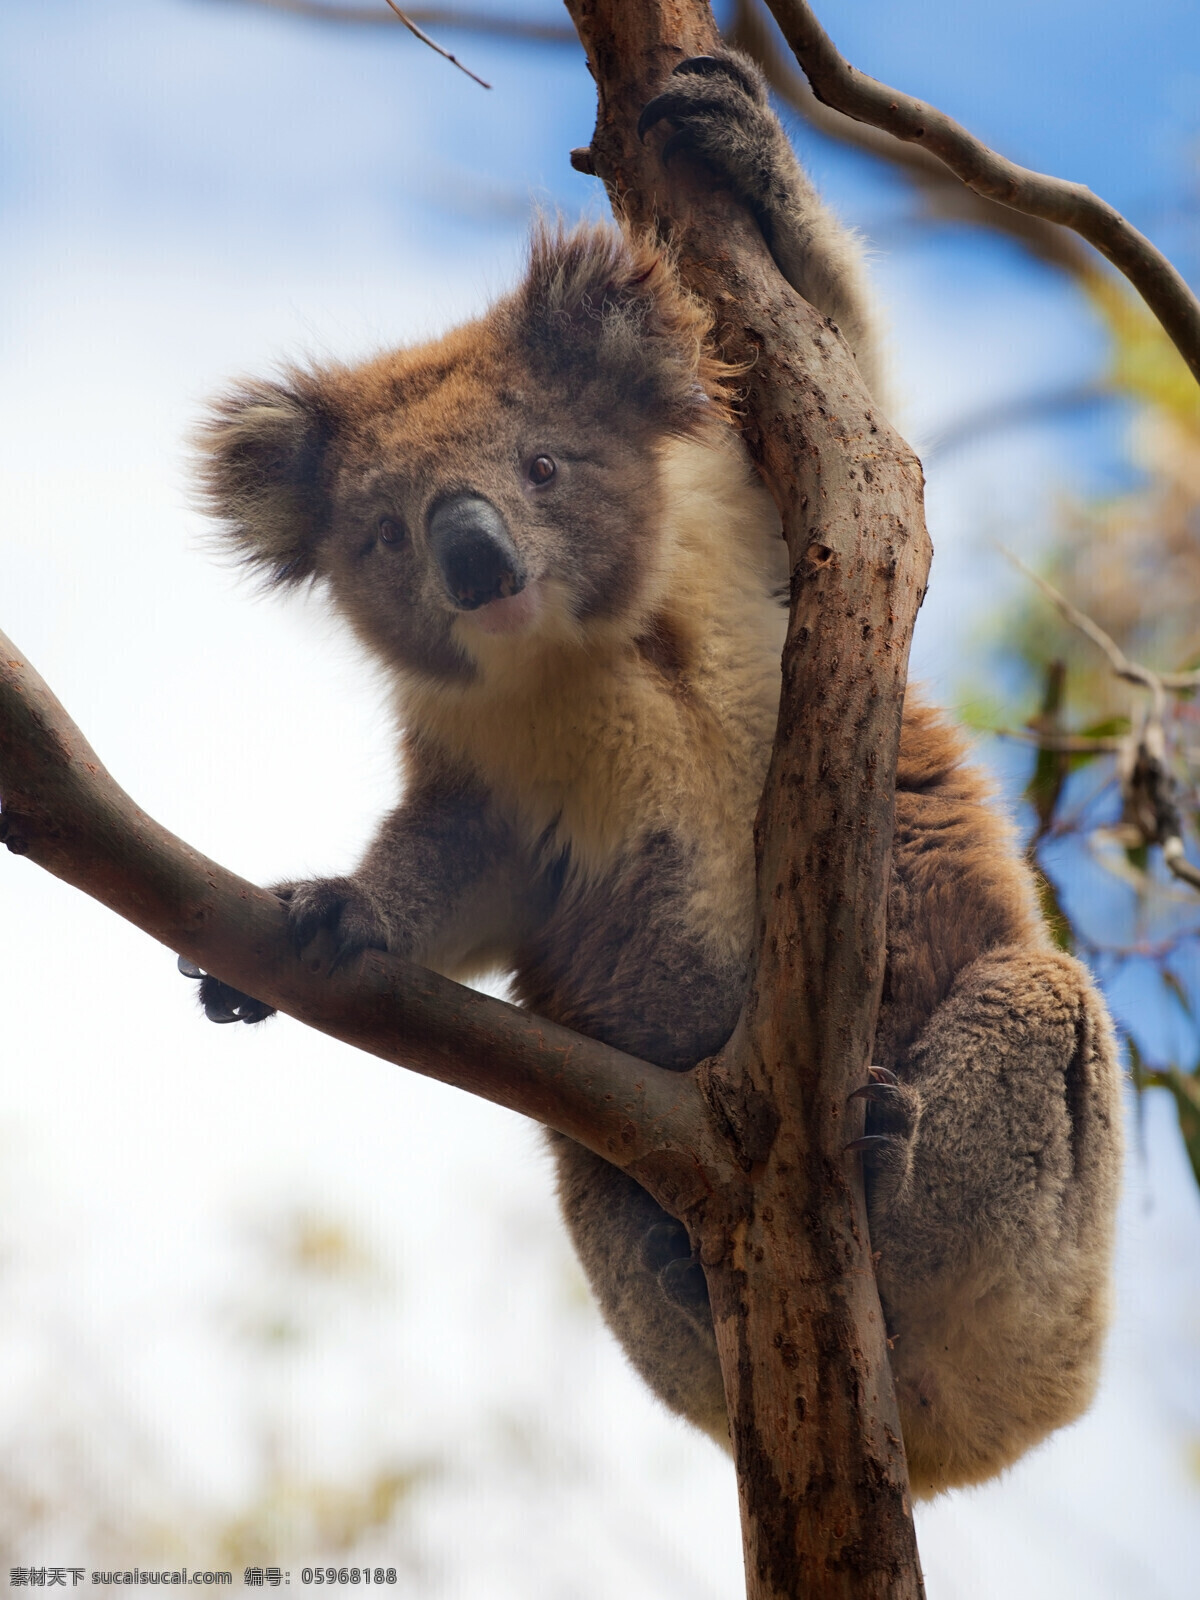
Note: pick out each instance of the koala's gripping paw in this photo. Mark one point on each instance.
(321, 905)
(893, 1118)
(221, 1002)
(335, 906)
(667, 1252)
(719, 109)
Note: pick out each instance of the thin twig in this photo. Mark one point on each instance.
(1130, 671)
(1148, 786)
(1022, 412)
(435, 16)
(839, 85)
(1068, 743)
(1142, 949)
(433, 45)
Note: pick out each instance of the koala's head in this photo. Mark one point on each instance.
(500, 483)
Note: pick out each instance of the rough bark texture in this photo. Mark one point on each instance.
(821, 1465)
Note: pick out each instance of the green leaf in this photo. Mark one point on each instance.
(1137, 1069)
(1050, 769)
(1138, 856)
(1107, 728)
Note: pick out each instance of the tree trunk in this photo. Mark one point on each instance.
(821, 1469)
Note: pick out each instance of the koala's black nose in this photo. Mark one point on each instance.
(474, 551)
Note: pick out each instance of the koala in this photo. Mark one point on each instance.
(545, 527)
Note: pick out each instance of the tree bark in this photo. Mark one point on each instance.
(821, 1469)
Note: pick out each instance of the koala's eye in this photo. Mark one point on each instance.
(391, 531)
(541, 469)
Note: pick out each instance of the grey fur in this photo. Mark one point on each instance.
(583, 782)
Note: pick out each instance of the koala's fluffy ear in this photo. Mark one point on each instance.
(261, 457)
(609, 311)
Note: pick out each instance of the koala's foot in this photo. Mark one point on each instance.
(221, 1002)
(667, 1251)
(718, 105)
(321, 905)
(893, 1117)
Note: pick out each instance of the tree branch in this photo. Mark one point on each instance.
(1062, 743)
(64, 811)
(944, 195)
(838, 84)
(487, 22)
(408, 22)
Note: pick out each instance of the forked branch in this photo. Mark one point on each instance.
(840, 85)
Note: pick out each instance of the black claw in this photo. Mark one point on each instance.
(701, 65)
(883, 1075)
(189, 968)
(740, 72)
(884, 1093)
(218, 1011)
(653, 112)
(870, 1141)
(5, 825)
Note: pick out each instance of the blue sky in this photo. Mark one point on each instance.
(189, 190)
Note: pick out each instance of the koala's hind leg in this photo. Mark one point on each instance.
(718, 108)
(651, 1292)
(992, 1198)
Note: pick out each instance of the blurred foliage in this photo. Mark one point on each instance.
(334, 1519)
(91, 1483)
(1131, 563)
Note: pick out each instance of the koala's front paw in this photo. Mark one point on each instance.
(332, 905)
(667, 1252)
(719, 107)
(335, 906)
(893, 1117)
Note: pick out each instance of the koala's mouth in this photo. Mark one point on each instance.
(513, 613)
